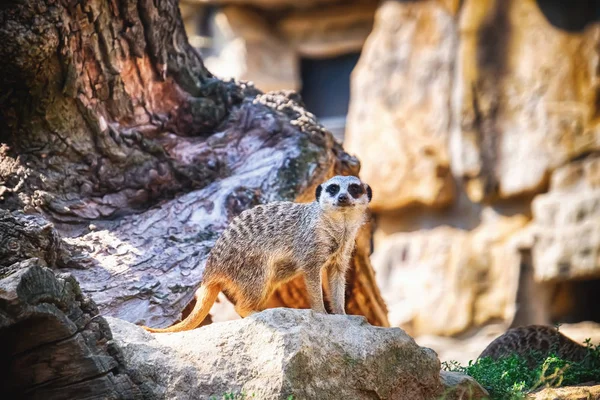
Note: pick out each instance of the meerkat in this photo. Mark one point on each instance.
(540, 339)
(270, 244)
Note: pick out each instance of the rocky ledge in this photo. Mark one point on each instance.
(56, 345)
(284, 353)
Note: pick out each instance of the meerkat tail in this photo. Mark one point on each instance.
(205, 298)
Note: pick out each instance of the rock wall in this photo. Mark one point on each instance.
(438, 281)
(566, 225)
(476, 124)
(263, 41)
(390, 122)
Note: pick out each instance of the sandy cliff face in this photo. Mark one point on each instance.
(471, 112)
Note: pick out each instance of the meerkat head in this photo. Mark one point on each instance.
(343, 193)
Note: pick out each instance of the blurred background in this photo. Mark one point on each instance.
(477, 125)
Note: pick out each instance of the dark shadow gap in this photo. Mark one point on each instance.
(570, 16)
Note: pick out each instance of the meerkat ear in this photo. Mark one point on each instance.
(318, 192)
(369, 192)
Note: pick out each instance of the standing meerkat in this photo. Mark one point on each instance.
(270, 244)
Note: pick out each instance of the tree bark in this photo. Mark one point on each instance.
(115, 132)
(100, 100)
(52, 343)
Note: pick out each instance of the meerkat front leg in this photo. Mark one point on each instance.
(337, 288)
(314, 288)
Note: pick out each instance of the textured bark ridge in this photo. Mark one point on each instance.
(53, 344)
(29, 236)
(113, 129)
(100, 99)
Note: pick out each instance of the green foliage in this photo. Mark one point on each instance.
(512, 378)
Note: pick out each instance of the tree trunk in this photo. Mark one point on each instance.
(114, 131)
(106, 106)
(52, 343)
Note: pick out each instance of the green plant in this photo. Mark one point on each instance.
(512, 378)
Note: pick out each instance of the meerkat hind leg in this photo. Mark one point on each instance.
(244, 311)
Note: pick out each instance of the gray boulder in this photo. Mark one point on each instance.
(459, 386)
(281, 354)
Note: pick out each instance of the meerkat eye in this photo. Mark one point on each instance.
(356, 190)
(333, 189)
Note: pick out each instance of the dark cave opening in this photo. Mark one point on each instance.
(575, 301)
(561, 302)
(571, 16)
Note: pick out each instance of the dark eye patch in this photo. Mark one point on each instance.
(333, 189)
(356, 190)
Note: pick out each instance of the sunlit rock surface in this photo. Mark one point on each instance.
(566, 224)
(445, 280)
(282, 352)
(399, 117)
(459, 107)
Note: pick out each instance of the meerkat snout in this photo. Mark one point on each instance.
(272, 243)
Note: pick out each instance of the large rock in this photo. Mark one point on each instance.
(399, 119)
(524, 95)
(265, 46)
(461, 387)
(566, 224)
(280, 353)
(329, 31)
(446, 280)
(477, 88)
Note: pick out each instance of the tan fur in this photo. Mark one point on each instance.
(205, 297)
(270, 244)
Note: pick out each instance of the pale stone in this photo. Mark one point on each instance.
(479, 88)
(330, 31)
(566, 224)
(444, 281)
(244, 47)
(568, 393)
(399, 118)
(282, 352)
(461, 387)
(524, 98)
